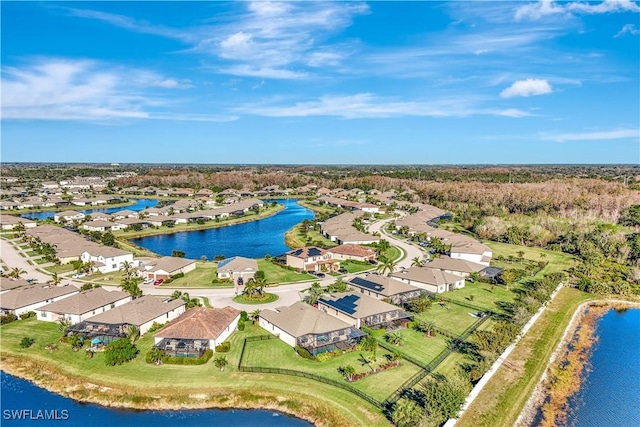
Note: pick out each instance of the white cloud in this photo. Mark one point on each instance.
(263, 72)
(367, 105)
(527, 87)
(544, 8)
(627, 29)
(63, 89)
(595, 136)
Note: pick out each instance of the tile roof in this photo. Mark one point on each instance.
(137, 312)
(85, 301)
(27, 295)
(301, 319)
(200, 323)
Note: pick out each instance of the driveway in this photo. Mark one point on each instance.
(410, 250)
(13, 259)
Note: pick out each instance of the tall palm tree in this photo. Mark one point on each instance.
(315, 293)
(127, 268)
(55, 279)
(416, 262)
(255, 315)
(386, 266)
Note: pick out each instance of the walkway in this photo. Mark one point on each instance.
(410, 250)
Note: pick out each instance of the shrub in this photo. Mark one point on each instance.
(28, 315)
(8, 319)
(171, 360)
(26, 342)
(155, 355)
(177, 276)
(51, 347)
(244, 316)
(373, 332)
(303, 352)
(119, 352)
(223, 347)
(156, 326)
(89, 354)
(241, 324)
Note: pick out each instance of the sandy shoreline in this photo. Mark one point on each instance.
(538, 396)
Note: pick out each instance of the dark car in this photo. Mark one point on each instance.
(373, 262)
(240, 281)
(343, 271)
(320, 275)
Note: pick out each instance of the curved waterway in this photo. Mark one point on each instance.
(139, 205)
(610, 392)
(253, 239)
(24, 404)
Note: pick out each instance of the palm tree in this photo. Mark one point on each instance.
(250, 288)
(220, 362)
(416, 262)
(131, 286)
(55, 280)
(369, 343)
(16, 272)
(386, 266)
(127, 268)
(315, 293)
(406, 413)
(133, 333)
(382, 246)
(255, 315)
(347, 372)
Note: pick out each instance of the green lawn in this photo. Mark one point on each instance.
(295, 239)
(274, 273)
(134, 381)
(60, 269)
(503, 398)
(201, 277)
(421, 347)
(483, 294)
(274, 353)
(356, 267)
(454, 318)
(558, 261)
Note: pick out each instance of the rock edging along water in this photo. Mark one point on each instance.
(539, 395)
(81, 389)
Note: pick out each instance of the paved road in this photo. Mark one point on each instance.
(411, 251)
(13, 259)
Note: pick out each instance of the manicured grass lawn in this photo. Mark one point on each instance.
(112, 278)
(483, 295)
(277, 274)
(60, 269)
(503, 398)
(558, 261)
(180, 383)
(356, 267)
(423, 348)
(455, 318)
(201, 277)
(241, 299)
(295, 239)
(274, 353)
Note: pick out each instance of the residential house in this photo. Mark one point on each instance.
(165, 267)
(304, 325)
(353, 252)
(430, 279)
(29, 298)
(311, 258)
(68, 216)
(83, 305)
(141, 313)
(9, 222)
(340, 229)
(385, 288)
(362, 310)
(466, 248)
(456, 266)
(125, 213)
(7, 284)
(106, 259)
(197, 330)
(99, 225)
(236, 268)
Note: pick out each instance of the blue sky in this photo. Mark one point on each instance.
(321, 82)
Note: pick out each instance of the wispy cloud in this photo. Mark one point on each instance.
(63, 89)
(368, 105)
(545, 8)
(627, 29)
(594, 136)
(528, 87)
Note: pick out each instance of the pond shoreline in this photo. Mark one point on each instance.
(543, 390)
(81, 390)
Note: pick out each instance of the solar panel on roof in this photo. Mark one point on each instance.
(225, 262)
(314, 252)
(360, 281)
(346, 304)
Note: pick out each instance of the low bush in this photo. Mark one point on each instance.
(177, 276)
(8, 319)
(26, 342)
(303, 352)
(171, 360)
(373, 332)
(241, 323)
(223, 347)
(28, 315)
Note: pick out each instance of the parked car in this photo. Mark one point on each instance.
(240, 281)
(320, 275)
(148, 280)
(373, 262)
(343, 271)
(78, 276)
(32, 280)
(158, 282)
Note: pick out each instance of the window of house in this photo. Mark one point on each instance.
(43, 314)
(113, 305)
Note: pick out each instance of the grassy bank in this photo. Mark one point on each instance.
(145, 386)
(503, 398)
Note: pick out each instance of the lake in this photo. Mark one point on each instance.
(610, 392)
(139, 205)
(20, 398)
(253, 239)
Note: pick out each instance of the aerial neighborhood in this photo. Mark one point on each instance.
(369, 282)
